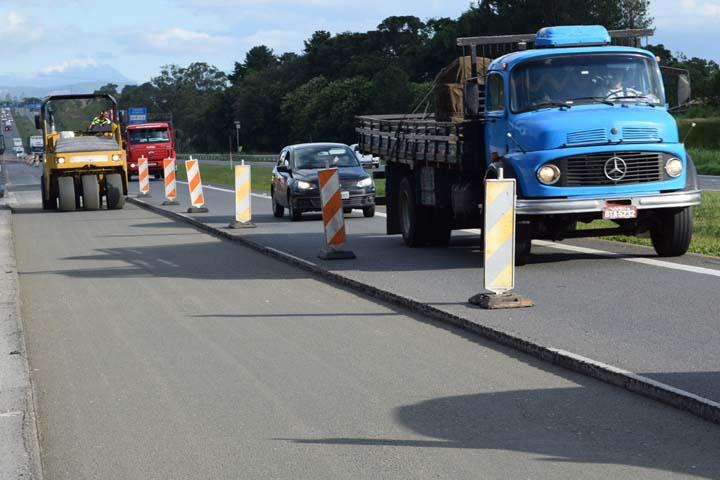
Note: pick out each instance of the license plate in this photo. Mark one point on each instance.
(345, 195)
(619, 212)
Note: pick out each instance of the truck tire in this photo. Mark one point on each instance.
(114, 191)
(413, 217)
(440, 229)
(523, 244)
(672, 235)
(90, 192)
(278, 210)
(50, 204)
(66, 189)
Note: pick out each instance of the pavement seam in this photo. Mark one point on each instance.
(647, 387)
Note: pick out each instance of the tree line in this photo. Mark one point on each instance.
(287, 98)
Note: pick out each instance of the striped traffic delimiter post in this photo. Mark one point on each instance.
(197, 199)
(243, 209)
(170, 183)
(143, 177)
(499, 255)
(333, 217)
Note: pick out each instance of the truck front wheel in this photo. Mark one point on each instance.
(66, 189)
(413, 224)
(672, 235)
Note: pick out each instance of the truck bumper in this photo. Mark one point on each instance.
(562, 206)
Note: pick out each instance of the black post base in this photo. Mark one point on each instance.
(491, 301)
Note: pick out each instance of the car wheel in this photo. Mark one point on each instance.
(369, 211)
(278, 210)
(295, 213)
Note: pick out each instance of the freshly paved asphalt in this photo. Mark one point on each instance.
(655, 321)
(161, 352)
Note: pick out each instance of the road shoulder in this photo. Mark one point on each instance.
(19, 446)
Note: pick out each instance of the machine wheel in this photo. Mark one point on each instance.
(523, 244)
(66, 188)
(295, 213)
(114, 191)
(278, 210)
(369, 211)
(50, 204)
(672, 236)
(413, 217)
(90, 192)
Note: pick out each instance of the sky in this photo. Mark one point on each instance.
(137, 37)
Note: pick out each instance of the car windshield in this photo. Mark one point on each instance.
(308, 158)
(149, 135)
(576, 79)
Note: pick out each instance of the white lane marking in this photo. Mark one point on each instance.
(644, 261)
(227, 190)
(10, 414)
(572, 248)
(287, 255)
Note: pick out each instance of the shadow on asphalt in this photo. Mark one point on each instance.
(559, 425)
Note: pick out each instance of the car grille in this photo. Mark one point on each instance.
(589, 170)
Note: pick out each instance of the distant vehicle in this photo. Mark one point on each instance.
(294, 184)
(367, 161)
(17, 142)
(19, 152)
(154, 141)
(35, 142)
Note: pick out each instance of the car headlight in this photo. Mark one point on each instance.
(61, 160)
(365, 182)
(303, 185)
(548, 174)
(116, 157)
(674, 167)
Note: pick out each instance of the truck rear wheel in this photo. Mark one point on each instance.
(90, 192)
(47, 204)
(66, 189)
(114, 191)
(672, 236)
(413, 218)
(523, 243)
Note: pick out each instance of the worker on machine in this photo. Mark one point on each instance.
(100, 120)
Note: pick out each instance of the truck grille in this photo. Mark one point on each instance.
(636, 134)
(587, 136)
(589, 170)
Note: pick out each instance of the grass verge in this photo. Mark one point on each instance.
(260, 178)
(26, 128)
(707, 161)
(706, 227)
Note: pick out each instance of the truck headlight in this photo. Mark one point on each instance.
(674, 167)
(365, 182)
(548, 174)
(61, 160)
(303, 185)
(116, 158)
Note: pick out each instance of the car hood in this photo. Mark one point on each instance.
(346, 173)
(593, 125)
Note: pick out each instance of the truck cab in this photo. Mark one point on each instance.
(154, 141)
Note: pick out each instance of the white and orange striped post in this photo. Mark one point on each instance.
(143, 177)
(333, 218)
(170, 184)
(243, 208)
(197, 199)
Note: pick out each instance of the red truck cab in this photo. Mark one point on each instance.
(154, 141)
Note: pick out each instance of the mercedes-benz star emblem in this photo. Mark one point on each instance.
(615, 169)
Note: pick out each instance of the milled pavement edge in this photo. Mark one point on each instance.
(19, 442)
(667, 394)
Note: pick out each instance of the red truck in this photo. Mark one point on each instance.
(154, 141)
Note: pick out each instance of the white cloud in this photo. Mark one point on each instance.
(72, 64)
(16, 32)
(177, 40)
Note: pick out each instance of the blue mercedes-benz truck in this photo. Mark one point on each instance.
(576, 114)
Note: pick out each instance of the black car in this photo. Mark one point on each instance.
(295, 179)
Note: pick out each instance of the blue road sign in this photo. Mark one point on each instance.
(137, 115)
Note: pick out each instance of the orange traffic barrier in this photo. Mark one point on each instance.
(170, 183)
(197, 199)
(243, 210)
(333, 217)
(143, 177)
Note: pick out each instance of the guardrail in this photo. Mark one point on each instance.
(225, 157)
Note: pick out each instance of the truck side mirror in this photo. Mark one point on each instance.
(471, 94)
(122, 117)
(37, 123)
(683, 89)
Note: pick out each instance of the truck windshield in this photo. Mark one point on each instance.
(308, 158)
(586, 78)
(149, 135)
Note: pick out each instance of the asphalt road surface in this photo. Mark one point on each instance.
(161, 352)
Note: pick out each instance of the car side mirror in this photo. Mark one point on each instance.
(37, 123)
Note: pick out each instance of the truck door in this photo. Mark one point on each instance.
(495, 117)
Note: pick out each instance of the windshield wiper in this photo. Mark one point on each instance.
(538, 106)
(597, 99)
(643, 98)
